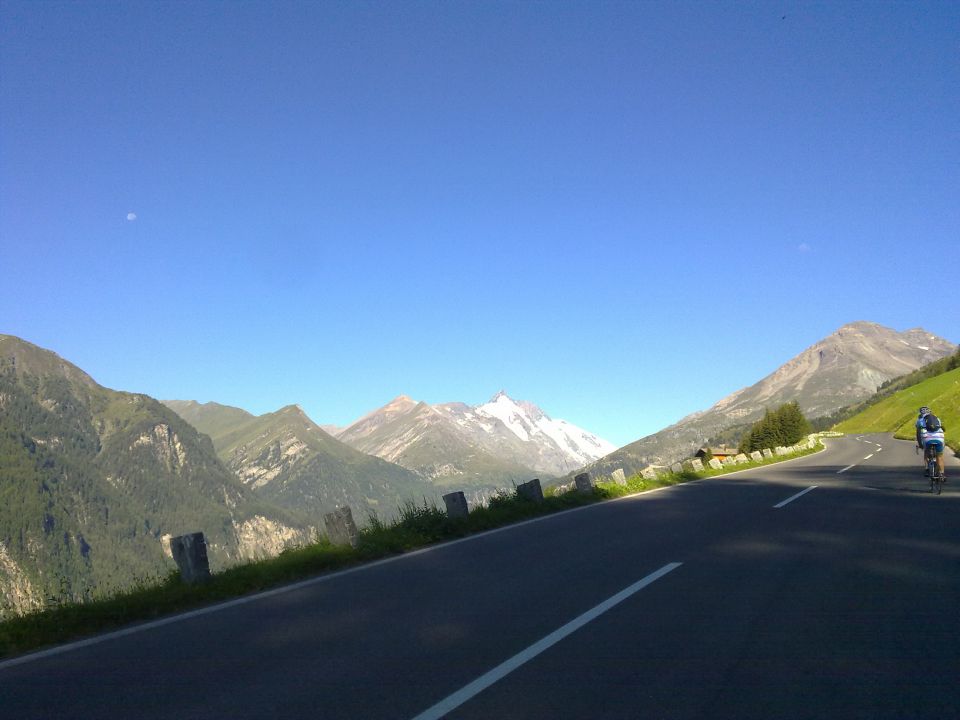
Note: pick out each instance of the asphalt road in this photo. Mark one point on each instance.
(735, 597)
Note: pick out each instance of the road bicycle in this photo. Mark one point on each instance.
(936, 478)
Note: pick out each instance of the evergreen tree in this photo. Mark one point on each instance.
(784, 426)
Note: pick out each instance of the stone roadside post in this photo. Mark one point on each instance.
(531, 490)
(340, 527)
(190, 553)
(456, 505)
(583, 483)
(697, 464)
(619, 477)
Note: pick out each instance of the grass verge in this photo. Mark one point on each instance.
(416, 527)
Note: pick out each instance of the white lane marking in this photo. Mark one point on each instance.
(464, 694)
(794, 497)
(868, 456)
(846, 468)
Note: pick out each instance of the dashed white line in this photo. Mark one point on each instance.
(868, 456)
(846, 468)
(462, 695)
(794, 497)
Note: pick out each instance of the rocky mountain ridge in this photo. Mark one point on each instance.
(843, 368)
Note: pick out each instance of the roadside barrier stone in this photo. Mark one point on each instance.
(584, 485)
(715, 464)
(767, 453)
(741, 459)
(190, 554)
(531, 490)
(756, 456)
(456, 504)
(341, 529)
(697, 464)
(619, 477)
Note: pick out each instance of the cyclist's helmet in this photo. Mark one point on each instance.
(924, 411)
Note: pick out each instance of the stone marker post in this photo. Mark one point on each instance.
(767, 453)
(531, 490)
(190, 553)
(756, 456)
(340, 527)
(619, 477)
(583, 483)
(715, 464)
(697, 464)
(676, 468)
(741, 459)
(456, 505)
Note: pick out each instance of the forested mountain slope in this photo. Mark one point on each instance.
(289, 460)
(91, 480)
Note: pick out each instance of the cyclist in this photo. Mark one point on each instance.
(924, 410)
(930, 437)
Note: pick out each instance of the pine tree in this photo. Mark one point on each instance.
(784, 426)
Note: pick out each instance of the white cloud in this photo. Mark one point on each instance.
(803, 247)
(131, 216)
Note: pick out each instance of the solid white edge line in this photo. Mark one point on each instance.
(149, 625)
(794, 497)
(846, 468)
(451, 702)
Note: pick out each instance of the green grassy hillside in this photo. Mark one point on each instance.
(898, 413)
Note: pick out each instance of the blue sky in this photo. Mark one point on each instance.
(619, 211)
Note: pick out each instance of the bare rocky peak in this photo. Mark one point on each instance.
(846, 366)
(375, 419)
(843, 368)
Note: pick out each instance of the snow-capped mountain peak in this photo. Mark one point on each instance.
(531, 425)
(455, 437)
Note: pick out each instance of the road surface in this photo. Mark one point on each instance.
(824, 587)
